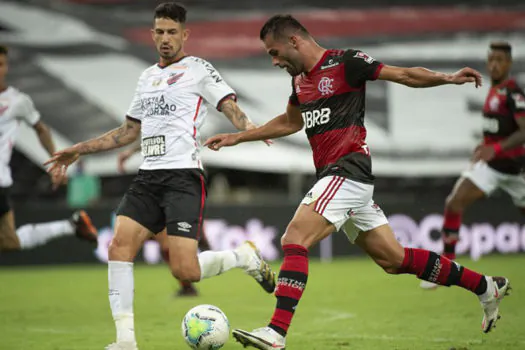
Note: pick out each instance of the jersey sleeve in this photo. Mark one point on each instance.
(212, 86)
(135, 107)
(360, 67)
(293, 100)
(27, 111)
(516, 100)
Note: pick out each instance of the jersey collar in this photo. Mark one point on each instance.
(180, 59)
(318, 64)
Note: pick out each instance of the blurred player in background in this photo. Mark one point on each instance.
(500, 161)
(187, 289)
(328, 99)
(170, 189)
(15, 106)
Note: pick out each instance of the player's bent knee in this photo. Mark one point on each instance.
(390, 266)
(185, 273)
(118, 249)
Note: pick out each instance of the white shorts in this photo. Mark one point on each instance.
(488, 180)
(346, 204)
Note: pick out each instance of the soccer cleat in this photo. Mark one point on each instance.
(84, 229)
(122, 346)
(428, 285)
(261, 338)
(497, 289)
(255, 266)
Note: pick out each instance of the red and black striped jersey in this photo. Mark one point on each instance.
(331, 98)
(504, 105)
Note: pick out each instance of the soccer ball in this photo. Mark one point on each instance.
(205, 327)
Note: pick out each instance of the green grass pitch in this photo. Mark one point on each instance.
(348, 304)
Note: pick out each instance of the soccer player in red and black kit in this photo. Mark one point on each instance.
(328, 92)
(500, 161)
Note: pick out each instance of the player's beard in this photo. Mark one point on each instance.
(170, 56)
(292, 69)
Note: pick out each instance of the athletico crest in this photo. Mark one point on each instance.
(174, 78)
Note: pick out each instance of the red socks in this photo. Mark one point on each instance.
(290, 286)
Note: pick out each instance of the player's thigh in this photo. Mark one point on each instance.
(141, 204)
(162, 239)
(307, 227)
(475, 183)
(514, 185)
(184, 263)
(326, 207)
(8, 238)
(138, 216)
(129, 237)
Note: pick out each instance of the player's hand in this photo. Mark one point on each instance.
(123, 158)
(484, 152)
(59, 163)
(466, 75)
(216, 142)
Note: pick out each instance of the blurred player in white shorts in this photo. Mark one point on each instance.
(499, 163)
(16, 107)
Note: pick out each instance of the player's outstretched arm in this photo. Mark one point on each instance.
(237, 117)
(282, 125)
(44, 136)
(121, 136)
(419, 77)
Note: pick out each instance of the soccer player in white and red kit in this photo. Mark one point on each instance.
(167, 111)
(328, 99)
(17, 107)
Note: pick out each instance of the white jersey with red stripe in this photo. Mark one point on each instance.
(168, 102)
(15, 106)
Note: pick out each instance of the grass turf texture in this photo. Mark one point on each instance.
(348, 304)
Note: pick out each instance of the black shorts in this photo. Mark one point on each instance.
(5, 201)
(173, 198)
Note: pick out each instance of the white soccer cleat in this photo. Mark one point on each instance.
(255, 266)
(497, 289)
(428, 285)
(261, 338)
(122, 346)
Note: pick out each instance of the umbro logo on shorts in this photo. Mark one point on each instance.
(184, 226)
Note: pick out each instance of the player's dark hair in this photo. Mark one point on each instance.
(4, 50)
(171, 10)
(502, 46)
(281, 25)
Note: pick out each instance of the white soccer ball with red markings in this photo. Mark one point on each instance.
(205, 327)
